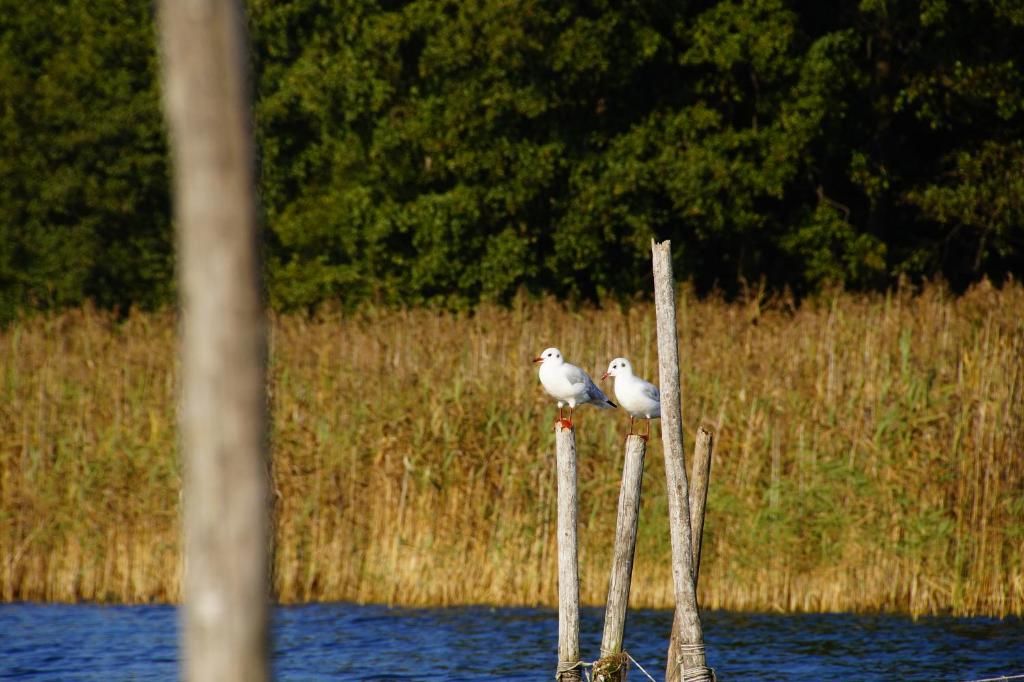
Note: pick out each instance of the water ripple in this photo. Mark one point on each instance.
(348, 642)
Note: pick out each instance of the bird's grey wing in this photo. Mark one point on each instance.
(651, 391)
(596, 395)
(575, 375)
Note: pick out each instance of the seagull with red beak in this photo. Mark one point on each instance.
(569, 385)
(641, 399)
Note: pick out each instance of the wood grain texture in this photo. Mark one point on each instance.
(568, 560)
(691, 637)
(700, 475)
(625, 545)
(622, 562)
(223, 418)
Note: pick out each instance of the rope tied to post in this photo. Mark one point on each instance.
(698, 673)
(568, 667)
(609, 665)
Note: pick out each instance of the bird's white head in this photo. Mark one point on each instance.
(551, 356)
(617, 368)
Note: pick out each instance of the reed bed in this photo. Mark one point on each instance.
(868, 454)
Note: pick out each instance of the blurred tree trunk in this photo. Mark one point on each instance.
(223, 341)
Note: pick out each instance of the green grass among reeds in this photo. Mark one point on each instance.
(868, 455)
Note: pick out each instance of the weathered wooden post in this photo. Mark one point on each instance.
(691, 636)
(612, 665)
(568, 562)
(700, 475)
(223, 341)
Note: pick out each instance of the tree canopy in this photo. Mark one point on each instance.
(441, 152)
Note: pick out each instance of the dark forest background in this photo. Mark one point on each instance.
(434, 152)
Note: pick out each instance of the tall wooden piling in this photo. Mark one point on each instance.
(700, 475)
(691, 635)
(568, 562)
(611, 667)
(223, 341)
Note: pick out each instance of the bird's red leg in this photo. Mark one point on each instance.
(562, 422)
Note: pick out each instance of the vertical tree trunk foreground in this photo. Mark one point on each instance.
(700, 476)
(569, 667)
(223, 417)
(691, 636)
(612, 665)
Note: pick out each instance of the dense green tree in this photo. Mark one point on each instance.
(83, 179)
(432, 151)
(941, 88)
(967, 111)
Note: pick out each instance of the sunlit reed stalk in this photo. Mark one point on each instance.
(867, 454)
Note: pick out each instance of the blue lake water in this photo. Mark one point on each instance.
(351, 642)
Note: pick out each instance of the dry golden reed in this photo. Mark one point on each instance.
(867, 454)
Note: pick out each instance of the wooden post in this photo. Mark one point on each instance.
(223, 416)
(691, 639)
(612, 666)
(699, 477)
(568, 562)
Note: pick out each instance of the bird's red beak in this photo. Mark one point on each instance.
(604, 376)
(538, 359)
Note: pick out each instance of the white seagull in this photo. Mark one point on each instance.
(638, 397)
(569, 385)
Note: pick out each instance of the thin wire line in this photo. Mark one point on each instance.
(640, 667)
